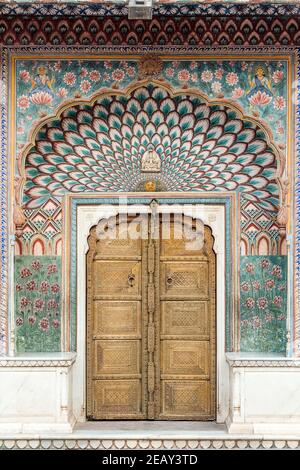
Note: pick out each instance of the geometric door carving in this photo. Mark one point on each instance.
(150, 326)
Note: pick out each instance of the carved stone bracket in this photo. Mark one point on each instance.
(18, 214)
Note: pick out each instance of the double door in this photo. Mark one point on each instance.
(150, 325)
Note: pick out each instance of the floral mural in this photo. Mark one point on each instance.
(37, 303)
(263, 303)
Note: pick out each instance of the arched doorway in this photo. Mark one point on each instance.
(151, 321)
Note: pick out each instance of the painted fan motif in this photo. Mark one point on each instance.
(99, 148)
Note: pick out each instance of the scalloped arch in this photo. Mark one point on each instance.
(97, 144)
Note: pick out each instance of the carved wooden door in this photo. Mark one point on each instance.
(150, 327)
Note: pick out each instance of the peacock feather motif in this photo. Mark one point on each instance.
(99, 147)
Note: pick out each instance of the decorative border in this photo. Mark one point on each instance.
(263, 362)
(153, 444)
(75, 200)
(38, 362)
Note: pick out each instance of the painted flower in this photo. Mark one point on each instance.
(62, 92)
(19, 321)
(57, 66)
(175, 64)
(245, 286)
(25, 272)
(85, 86)
(207, 76)
(280, 130)
(24, 75)
(170, 72)
(268, 317)
(244, 66)
(256, 285)
(276, 270)
(281, 317)
(262, 303)
(24, 302)
(31, 320)
(237, 93)
(55, 323)
(184, 75)
(106, 77)
(269, 284)
(281, 287)
(23, 102)
(260, 98)
(130, 71)
(219, 73)
(279, 102)
(69, 78)
(44, 324)
(39, 304)
(256, 322)
(216, 87)
(278, 300)
(249, 303)
(118, 75)
(55, 288)
(194, 77)
(232, 78)
(44, 286)
(265, 263)
(19, 287)
(249, 267)
(95, 76)
(244, 322)
(52, 268)
(84, 72)
(277, 76)
(107, 64)
(193, 65)
(41, 98)
(30, 285)
(52, 304)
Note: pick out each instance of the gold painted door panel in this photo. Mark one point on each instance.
(150, 328)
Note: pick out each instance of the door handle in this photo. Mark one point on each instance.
(169, 280)
(131, 279)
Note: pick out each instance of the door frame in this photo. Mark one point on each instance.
(78, 222)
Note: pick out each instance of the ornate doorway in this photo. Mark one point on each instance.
(150, 324)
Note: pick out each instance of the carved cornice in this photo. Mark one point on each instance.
(66, 361)
(261, 362)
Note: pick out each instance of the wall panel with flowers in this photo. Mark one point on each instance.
(38, 303)
(263, 303)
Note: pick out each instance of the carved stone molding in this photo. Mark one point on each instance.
(66, 361)
(263, 362)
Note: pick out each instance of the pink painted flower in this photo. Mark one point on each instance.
(269, 283)
(278, 300)
(31, 320)
(62, 92)
(24, 302)
(25, 272)
(84, 72)
(216, 87)
(281, 317)
(55, 323)
(85, 86)
(52, 268)
(184, 75)
(232, 78)
(256, 285)
(44, 324)
(118, 75)
(36, 265)
(244, 66)
(262, 303)
(106, 76)
(175, 64)
(280, 130)
(249, 267)
(52, 304)
(277, 76)
(265, 263)
(268, 317)
(130, 71)
(19, 287)
(41, 98)
(207, 76)
(69, 78)
(249, 303)
(55, 288)
(237, 93)
(193, 65)
(24, 75)
(95, 76)
(245, 286)
(279, 102)
(108, 64)
(19, 321)
(57, 66)
(256, 322)
(260, 98)
(30, 285)
(244, 322)
(219, 73)
(170, 72)
(194, 77)
(276, 270)
(44, 286)
(23, 102)
(39, 304)
(282, 287)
